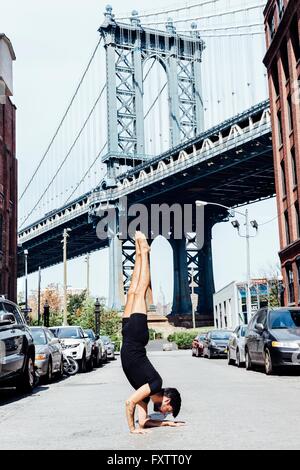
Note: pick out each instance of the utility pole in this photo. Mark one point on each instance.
(87, 259)
(236, 225)
(65, 242)
(249, 309)
(39, 297)
(26, 283)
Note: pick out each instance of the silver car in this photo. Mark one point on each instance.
(236, 346)
(109, 347)
(48, 353)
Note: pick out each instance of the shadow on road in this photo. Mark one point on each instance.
(11, 395)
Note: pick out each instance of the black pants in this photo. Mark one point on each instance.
(136, 365)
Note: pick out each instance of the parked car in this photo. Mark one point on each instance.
(216, 343)
(17, 351)
(48, 353)
(198, 345)
(273, 339)
(236, 346)
(109, 347)
(76, 344)
(97, 347)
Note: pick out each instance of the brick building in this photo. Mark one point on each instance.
(282, 27)
(8, 175)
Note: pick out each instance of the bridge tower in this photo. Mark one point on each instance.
(128, 46)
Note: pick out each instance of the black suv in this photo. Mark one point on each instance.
(17, 352)
(273, 339)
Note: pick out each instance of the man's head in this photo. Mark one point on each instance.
(171, 402)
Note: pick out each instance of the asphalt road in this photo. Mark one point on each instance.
(224, 407)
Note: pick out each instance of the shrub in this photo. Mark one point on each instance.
(184, 339)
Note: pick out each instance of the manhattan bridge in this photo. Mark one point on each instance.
(171, 108)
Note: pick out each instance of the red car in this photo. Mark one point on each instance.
(198, 345)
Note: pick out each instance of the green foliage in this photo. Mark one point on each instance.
(184, 339)
(154, 334)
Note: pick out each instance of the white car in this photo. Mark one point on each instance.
(236, 346)
(75, 344)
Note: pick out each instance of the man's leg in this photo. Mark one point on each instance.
(139, 303)
(134, 281)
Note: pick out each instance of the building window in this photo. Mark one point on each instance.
(290, 114)
(297, 219)
(294, 32)
(287, 228)
(298, 270)
(285, 60)
(290, 279)
(271, 24)
(280, 141)
(283, 180)
(280, 8)
(275, 78)
(294, 167)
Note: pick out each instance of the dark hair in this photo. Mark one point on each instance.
(175, 399)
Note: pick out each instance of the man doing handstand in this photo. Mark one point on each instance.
(138, 369)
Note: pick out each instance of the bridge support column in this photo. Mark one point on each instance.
(182, 304)
(116, 298)
(200, 261)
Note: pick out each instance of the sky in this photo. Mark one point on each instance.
(53, 41)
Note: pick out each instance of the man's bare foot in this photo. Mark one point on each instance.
(142, 241)
(137, 245)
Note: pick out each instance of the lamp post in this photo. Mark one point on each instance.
(97, 317)
(87, 260)
(236, 225)
(26, 282)
(39, 297)
(65, 242)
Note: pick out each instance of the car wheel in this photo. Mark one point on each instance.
(238, 358)
(229, 360)
(61, 369)
(90, 364)
(82, 364)
(26, 381)
(269, 368)
(97, 360)
(248, 361)
(48, 376)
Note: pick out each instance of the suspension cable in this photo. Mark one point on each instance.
(61, 122)
(169, 10)
(66, 157)
(211, 15)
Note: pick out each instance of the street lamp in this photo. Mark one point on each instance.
(87, 260)
(97, 317)
(26, 282)
(64, 242)
(236, 225)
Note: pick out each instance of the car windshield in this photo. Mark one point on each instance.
(202, 337)
(284, 319)
(221, 335)
(243, 331)
(90, 334)
(105, 339)
(39, 337)
(68, 333)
